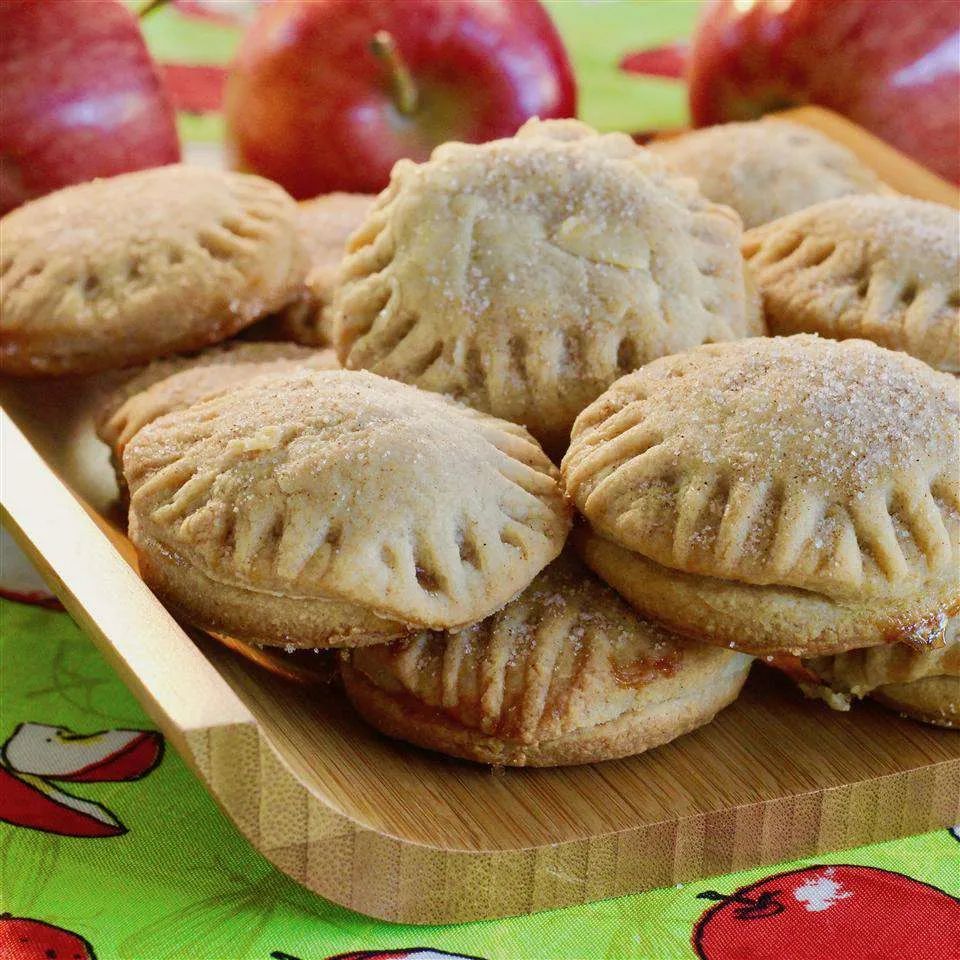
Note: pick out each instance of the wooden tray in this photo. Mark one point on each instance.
(409, 836)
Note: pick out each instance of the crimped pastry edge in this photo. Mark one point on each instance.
(406, 718)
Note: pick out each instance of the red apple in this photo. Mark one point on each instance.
(24, 939)
(81, 97)
(327, 94)
(891, 66)
(838, 912)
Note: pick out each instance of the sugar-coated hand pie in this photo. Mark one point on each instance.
(558, 449)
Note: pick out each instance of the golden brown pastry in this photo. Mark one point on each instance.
(122, 270)
(566, 673)
(177, 382)
(924, 684)
(324, 224)
(523, 276)
(776, 494)
(331, 508)
(883, 268)
(768, 168)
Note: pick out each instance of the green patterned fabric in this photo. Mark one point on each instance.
(181, 882)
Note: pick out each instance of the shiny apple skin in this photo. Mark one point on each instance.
(81, 97)
(309, 105)
(892, 66)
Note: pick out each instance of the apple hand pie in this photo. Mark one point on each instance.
(924, 684)
(885, 269)
(566, 673)
(330, 508)
(776, 494)
(523, 276)
(175, 383)
(119, 271)
(767, 169)
(324, 224)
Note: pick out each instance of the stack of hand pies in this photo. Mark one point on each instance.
(723, 494)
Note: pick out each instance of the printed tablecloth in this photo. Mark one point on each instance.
(144, 866)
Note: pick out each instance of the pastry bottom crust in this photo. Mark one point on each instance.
(933, 700)
(764, 619)
(256, 617)
(403, 717)
(924, 685)
(73, 353)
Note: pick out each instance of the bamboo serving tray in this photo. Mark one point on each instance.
(409, 836)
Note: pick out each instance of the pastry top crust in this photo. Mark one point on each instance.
(326, 222)
(860, 671)
(883, 268)
(177, 382)
(523, 276)
(347, 486)
(794, 461)
(121, 270)
(567, 655)
(767, 169)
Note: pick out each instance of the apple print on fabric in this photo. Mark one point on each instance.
(36, 754)
(839, 912)
(24, 939)
(19, 579)
(668, 61)
(413, 953)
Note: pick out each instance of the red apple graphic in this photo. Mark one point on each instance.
(840, 912)
(326, 95)
(409, 953)
(28, 801)
(59, 754)
(669, 61)
(81, 97)
(25, 939)
(891, 66)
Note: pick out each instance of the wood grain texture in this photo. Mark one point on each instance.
(405, 835)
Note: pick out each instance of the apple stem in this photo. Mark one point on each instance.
(766, 905)
(149, 7)
(384, 48)
(726, 898)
